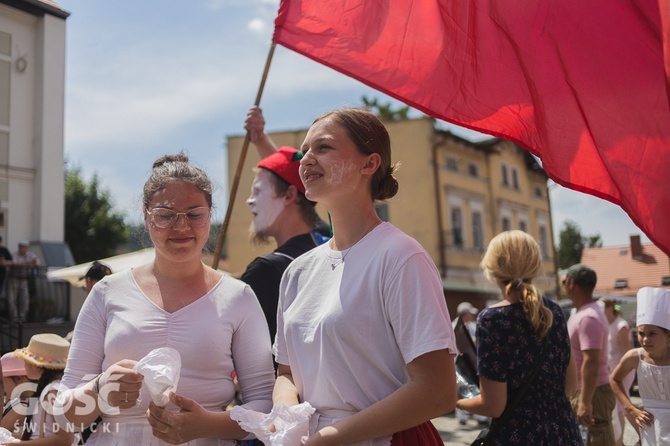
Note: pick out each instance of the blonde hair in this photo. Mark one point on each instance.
(513, 259)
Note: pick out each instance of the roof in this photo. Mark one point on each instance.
(38, 7)
(616, 263)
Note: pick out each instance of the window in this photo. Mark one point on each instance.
(477, 231)
(506, 224)
(473, 170)
(621, 283)
(522, 221)
(456, 227)
(5, 44)
(452, 163)
(5, 75)
(538, 191)
(544, 243)
(505, 180)
(665, 281)
(515, 179)
(523, 226)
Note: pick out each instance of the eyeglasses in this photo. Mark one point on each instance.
(166, 218)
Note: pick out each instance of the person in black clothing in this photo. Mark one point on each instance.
(5, 256)
(279, 211)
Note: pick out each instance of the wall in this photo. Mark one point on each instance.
(31, 174)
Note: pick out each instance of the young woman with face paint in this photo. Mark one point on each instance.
(363, 332)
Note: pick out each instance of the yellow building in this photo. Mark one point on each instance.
(454, 196)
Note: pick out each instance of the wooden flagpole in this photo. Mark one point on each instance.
(240, 166)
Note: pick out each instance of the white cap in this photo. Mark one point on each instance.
(465, 307)
(653, 307)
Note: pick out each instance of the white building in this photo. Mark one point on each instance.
(32, 103)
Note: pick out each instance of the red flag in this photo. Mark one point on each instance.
(581, 84)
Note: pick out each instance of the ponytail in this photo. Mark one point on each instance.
(540, 317)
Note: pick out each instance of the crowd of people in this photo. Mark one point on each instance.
(348, 317)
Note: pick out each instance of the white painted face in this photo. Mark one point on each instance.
(265, 206)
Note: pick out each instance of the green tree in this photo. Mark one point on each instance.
(593, 241)
(93, 229)
(385, 112)
(571, 244)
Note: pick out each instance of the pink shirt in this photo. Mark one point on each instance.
(589, 330)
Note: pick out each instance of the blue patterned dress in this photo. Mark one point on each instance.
(507, 351)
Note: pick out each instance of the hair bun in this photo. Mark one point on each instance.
(178, 158)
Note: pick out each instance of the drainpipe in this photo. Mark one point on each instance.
(438, 206)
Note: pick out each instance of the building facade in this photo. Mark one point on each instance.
(32, 115)
(454, 196)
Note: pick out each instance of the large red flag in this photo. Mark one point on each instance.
(581, 84)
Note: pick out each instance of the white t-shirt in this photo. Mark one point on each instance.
(117, 321)
(615, 351)
(348, 330)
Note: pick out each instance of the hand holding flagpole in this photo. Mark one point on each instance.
(240, 165)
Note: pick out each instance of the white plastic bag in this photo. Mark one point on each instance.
(291, 423)
(161, 369)
(6, 436)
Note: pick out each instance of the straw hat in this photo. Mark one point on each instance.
(46, 350)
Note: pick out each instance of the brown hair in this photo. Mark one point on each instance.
(369, 136)
(48, 375)
(169, 168)
(609, 303)
(512, 259)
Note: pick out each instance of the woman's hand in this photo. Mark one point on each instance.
(176, 427)
(642, 418)
(119, 386)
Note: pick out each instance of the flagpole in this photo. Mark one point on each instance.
(240, 166)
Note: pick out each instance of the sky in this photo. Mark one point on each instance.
(146, 78)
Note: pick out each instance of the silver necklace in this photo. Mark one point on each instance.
(334, 264)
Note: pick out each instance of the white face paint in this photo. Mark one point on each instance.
(265, 206)
(332, 161)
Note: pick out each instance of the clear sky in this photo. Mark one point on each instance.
(149, 77)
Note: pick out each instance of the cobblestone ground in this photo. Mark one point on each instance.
(453, 434)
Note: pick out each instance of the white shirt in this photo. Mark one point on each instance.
(222, 331)
(348, 331)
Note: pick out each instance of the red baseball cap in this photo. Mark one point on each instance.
(285, 162)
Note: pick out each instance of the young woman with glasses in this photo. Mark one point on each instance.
(214, 321)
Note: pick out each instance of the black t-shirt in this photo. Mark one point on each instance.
(264, 273)
(5, 254)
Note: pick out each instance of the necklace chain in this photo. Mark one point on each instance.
(333, 264)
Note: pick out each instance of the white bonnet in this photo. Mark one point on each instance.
(653, 307)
